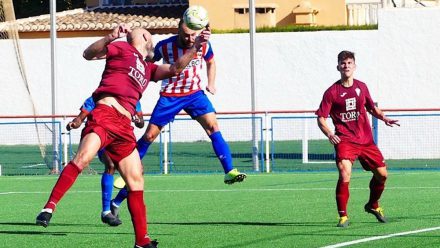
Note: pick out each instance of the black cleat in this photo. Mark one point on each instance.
(114, 210)
(378, 213)
(152, 244)
(43, 219)
(111, 220)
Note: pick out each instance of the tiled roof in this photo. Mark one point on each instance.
(106, 18)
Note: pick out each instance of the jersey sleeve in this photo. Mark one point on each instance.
(325, 106)
(88, 105)
(112, 50)
(369, 103)
(157, 52)
(152, 68)
(208, 54)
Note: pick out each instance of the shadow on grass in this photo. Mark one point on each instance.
(418, 217)
(241, 223)
(47, 232)
(327, 232)
(34, 233)
(52, 224)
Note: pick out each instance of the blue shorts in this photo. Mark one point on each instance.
(167, 107)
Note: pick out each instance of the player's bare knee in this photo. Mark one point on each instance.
(210, 129)
(81, 160)
(149, 137)
(345, 178)
(135, 182)
(381, 174)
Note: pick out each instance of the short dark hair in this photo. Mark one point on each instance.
(345, 55)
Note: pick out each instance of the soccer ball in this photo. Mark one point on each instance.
(119, 183)
(196, 17)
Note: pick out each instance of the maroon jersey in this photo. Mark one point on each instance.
(348, 109)
(126, 75)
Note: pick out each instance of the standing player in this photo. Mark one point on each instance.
(183, 92)
(125, 77)
(347, 102)
(108, 207)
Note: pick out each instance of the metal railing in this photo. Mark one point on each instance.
(287, 141)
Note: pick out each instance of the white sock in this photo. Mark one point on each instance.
(47, 210)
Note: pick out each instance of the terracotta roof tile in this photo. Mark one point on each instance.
(106, 18)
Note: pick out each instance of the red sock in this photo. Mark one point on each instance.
(138, 212)
(342, 195)
(65, 181)
(376, 189)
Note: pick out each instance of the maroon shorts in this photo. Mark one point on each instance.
(369, 155)
(114, 129)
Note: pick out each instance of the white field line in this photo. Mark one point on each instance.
(31, 166)
(162, 177)
(382, 237)
(218, 190)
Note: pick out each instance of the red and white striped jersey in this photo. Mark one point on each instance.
(188, 81)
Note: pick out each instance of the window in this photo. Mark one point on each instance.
(258, 10)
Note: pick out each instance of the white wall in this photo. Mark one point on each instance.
(400, 62)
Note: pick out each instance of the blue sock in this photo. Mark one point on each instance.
(122, 195)
(106, 190)
(221, 149)
(142, 146)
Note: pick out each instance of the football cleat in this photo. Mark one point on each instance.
(152, 244)
(343, 222)
(114, 209)
(234, 176)
(111, 220)
(377, 212)
(43, 219)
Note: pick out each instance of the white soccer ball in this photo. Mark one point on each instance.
(196, 17)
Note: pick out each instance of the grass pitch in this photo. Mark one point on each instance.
(267, 210)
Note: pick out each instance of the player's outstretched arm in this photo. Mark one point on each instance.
(379, 114)
(98, 49)
(77, 121)
(166, 70)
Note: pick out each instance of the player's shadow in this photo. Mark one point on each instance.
(34, 233)
(417, 217)
(33, 224)
(49, 233)
(241, 223)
